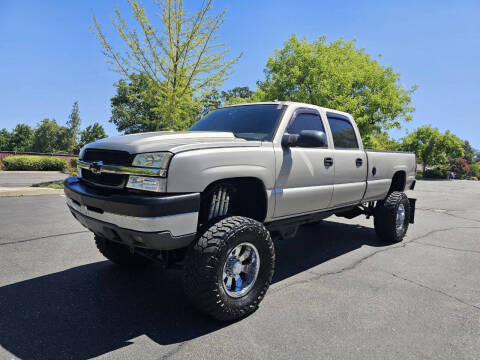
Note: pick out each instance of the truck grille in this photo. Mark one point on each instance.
(104, 180)
(108, 157)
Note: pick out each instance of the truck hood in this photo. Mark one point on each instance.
(173, 141)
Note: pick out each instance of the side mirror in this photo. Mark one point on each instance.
(306, 138)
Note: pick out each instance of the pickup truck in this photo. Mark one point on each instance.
(211, 199)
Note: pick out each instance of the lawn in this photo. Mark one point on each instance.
(57, 184)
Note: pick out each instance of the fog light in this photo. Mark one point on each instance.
(147, 183)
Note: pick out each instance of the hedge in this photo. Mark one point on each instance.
(73, 163)
(41, 163)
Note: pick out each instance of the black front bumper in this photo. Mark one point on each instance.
(131, 205)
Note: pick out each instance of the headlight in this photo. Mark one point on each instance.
(157, 160)
(147, 183)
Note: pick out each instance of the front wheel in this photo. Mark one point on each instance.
(229, 268)
(391, 217)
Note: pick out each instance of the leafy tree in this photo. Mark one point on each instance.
(469, 152)
(181, 58)
(382, 141)
(214, 99)
(5, 139)
(21, 138)
(90, 134)
(73, 125)
(432, 147)
(135, 106)
(337, 75)
(210, 102)
(51, 137)
(237, 95)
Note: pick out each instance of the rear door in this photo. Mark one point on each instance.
(304, 179)
(350, 161)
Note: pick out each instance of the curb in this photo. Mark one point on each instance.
(29, 191)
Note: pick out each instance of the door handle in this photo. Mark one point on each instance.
(359, 162)
(328, 161)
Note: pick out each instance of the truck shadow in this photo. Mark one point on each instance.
(93, 309)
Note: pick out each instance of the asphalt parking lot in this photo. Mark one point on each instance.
(338, 292)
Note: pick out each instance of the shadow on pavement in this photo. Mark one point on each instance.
(93, 309)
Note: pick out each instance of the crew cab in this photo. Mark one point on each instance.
(212, 198)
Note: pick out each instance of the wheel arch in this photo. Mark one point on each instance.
(249, 198)
(399, 180)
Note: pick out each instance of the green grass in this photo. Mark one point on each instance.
(57, 184)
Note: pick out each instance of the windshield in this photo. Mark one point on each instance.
(250, 122)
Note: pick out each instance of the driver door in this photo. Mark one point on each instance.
(304, 176)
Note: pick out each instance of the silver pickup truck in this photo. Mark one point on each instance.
(211, 199)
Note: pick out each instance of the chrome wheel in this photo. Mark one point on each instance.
(241, 270)
(400, 220)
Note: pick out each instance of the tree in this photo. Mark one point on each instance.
(237, 95)
(382, 141)
(210, 102)
(90, 134)
(181, 58)
(432, 147)
(337, 75)
(51, 137)
(214, 99)
(135, 106)
(73, 125)
(469, 152)
(21, 138)
(5, 140)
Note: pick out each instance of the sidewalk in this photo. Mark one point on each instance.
(28, 191)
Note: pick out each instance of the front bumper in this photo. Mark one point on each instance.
(148, 221)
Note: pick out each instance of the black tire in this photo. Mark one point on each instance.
(386, 214)
(118, 253)
(205, 261)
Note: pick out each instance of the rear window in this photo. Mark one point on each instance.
(342, 131)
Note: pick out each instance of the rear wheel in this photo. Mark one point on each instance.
(392, 216)
(118, 253)
(229, 268)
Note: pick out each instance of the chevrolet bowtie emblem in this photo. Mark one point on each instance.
(96, 167)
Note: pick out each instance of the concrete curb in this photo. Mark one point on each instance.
(28, 191)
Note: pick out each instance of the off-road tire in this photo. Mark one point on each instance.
(118, 253)
(385, 217)
(205, 260)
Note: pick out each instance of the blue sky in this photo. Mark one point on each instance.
(49, 58)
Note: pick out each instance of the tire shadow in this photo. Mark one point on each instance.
(89, 310)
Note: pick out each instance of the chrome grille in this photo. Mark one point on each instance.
(108, 157)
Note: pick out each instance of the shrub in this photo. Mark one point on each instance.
(438, 172)
(475, 170)
(73, 163)
(40, 163)
(459, 166)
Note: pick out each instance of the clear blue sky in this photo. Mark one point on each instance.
(49, 58)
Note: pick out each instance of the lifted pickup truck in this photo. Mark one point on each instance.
(211, 199)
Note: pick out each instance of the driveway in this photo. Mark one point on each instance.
(27, 178)
(338, 292)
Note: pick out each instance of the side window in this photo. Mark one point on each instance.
(305, 121)
(343, 134)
